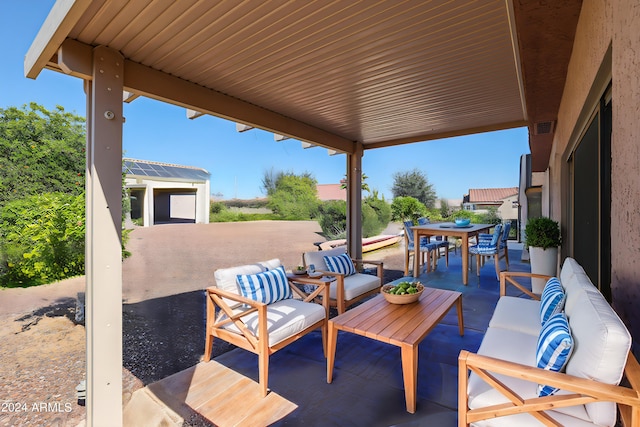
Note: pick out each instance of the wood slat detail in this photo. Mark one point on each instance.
(212, 390)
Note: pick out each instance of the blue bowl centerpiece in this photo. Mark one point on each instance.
(462, 222)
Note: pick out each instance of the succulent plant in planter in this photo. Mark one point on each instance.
(542, 237)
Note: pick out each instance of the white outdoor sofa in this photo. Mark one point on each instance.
(502, 389)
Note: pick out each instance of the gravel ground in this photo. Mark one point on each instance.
(43, 350)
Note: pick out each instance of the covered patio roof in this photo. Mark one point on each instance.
(349, 76)
(334, 74)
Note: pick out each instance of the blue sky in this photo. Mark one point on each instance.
(237, 161)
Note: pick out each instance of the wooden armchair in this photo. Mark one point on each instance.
(258, 327)
(347, 289)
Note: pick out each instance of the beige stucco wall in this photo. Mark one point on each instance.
(593, 38)
(625, 153)
(607, 48)
(507, 209)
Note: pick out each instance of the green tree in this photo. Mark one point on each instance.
(445, 210)
(405, 208)
(414, 184)
(294, 197)
(41, 151)
(365, 186)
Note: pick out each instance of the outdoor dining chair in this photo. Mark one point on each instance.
(425, 249)
(504, 240)
(485, 248)
(440, 242)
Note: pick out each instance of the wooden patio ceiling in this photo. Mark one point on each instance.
(332, 73)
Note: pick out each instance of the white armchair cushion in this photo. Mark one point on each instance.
(284, 318)
(226, 278)
(355, 285)
(340, 264)
(267, 287)
(317, 257)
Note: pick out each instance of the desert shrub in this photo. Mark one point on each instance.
(405, 208)
(381, 208)
(42, 239)
(434, 215)
(371, 225)
(491, 216)
(294, 198)
(475, 218)
(217, 207)
(228, 215)
(332, 217)
(245, 203)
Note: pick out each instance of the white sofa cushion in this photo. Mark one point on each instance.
(355, 285)
(578, 284)
(284, 319)
(602, 343)
(526, 420)
(517, 314)
(569, 267)
(515, 347)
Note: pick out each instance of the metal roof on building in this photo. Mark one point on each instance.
(491, 195)
(151, 169)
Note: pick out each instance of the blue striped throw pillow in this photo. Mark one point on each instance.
(551, 300)
(340, 264)
(267, 287)
(554, 348)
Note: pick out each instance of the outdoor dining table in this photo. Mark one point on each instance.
(449, 229)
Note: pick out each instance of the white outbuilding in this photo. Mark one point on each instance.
(163, 193)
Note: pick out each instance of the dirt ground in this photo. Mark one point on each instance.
(42, 349)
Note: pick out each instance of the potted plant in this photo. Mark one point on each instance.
(542, 237)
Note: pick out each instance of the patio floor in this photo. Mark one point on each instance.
(367, 385)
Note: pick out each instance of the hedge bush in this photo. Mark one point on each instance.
(332, 217)
(42, 239)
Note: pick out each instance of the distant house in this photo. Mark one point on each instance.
(504, 199)
(331, 192)
(164, 193)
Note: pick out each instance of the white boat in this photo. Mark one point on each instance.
(368, 243)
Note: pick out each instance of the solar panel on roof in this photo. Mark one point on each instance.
(141, 168)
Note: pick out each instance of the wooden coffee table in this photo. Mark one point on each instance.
(402, 325)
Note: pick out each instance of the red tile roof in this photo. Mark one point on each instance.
(495, 195)
(331, 192)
